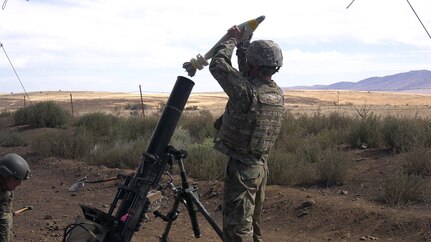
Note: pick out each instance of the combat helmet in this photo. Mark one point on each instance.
(14, 165)
(264, 53)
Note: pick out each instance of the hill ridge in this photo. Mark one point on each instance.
(417, 81)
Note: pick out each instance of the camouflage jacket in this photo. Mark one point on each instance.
(5, 215)
(240, 113)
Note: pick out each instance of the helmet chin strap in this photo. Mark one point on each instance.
(3, 184)
(260, 72)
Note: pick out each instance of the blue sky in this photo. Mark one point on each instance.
(111, 45)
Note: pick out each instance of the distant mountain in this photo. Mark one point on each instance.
(412, 81)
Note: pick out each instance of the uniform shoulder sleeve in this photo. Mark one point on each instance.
(232, 81)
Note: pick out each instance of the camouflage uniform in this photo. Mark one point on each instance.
(248, 129)
(5, 215)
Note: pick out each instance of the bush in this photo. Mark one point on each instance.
(135, 109)
(332, 168)
(313, 125)
(310, 148)
(5, 114)
(367, 130)
(63, 144)
(402, 134)
(119, 154)
(181, 139)
(43, 114)
(12, 139)
(402, 188)
(6, 119)
(289, 169)
(133, 128)
(200, 126)
(418, 161)
(295, 135)
(97, 124)
(337, 121)
(204, 162)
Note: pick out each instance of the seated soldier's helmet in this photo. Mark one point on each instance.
(264, 53)
(14, 165)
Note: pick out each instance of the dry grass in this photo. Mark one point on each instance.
(297, 102)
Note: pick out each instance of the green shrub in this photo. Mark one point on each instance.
(427, 132)
(311, 147)
(135, 109)
(200, 126)
(332, 168)
(289, 143)
(6, 119)
(133, 106)
(337, 121)
(418, 161)
(43, 114)
(289, 169)
(309, 150)
(402, 134)
(291, 135)
(63, 144)
(12, 139)
(181, 139)
(313, 125)
(119, 154)
(402, 188)
(5, 114)
(133, 128)
(97, 124)
(367, 130)
(204, 162)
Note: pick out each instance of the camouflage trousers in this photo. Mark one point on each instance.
(5, 216)
(5, 228)
(244, 193)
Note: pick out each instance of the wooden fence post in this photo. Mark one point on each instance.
(71, 104)
(142, 102)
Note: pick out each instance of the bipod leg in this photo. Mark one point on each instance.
(170, 218)
(189, 198)
(192, 196)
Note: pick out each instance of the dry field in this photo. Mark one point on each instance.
(297, 101)
(351, 212)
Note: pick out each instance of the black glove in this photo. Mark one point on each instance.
(217, 123)
(243, 45)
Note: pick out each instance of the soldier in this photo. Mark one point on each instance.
(247, 130)
(13, 170)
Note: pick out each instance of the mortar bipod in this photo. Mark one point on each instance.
(187, 195)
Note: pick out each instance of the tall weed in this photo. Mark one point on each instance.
(43, 114)
(11, 139)
(60, 143)
(204, 162)
(97, 124)
(402, 134)
(402, 188)
(332, 168)
(289, 169)
(367, 130)
(418, 161)
(200, 125)
(119, 154)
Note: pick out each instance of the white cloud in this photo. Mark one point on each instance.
(124, 41)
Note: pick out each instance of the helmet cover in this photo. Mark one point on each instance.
(264, 53)
(14, 165)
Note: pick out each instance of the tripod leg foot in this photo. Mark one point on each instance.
(161, 239)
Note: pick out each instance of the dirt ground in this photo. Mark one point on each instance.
(351, 212)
